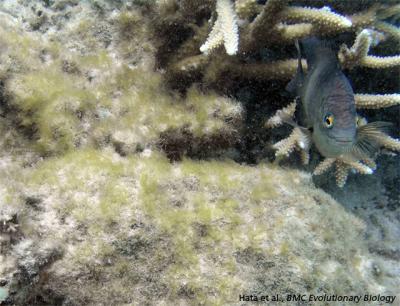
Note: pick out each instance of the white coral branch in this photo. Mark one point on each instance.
(215, 38)
(376, 101)
(343, 166)
(225, 30)
(358, 53)
(281, 116)
(297, 140)
(323, 17)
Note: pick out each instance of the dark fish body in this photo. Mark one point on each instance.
(327, 99)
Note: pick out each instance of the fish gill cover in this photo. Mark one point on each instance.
(139, 164)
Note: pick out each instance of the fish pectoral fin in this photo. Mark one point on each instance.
(368, 138)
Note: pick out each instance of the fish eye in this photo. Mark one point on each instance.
(328, 120)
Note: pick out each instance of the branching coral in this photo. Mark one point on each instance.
(343, 166)
(300, 22)
(274, 24)
(358, 53)
(322, 18)
(299, 139)
(376, 101)
(279, 23)
(266, 28)
(224, 31)
(281, 116)
(246, 8)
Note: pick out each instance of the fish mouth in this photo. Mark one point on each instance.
(343, 141)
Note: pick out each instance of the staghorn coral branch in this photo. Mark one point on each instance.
(386, 12)
(387, 142)
(305, 157)
(370, 163)
(365, 18)
(247, 8)
(290, 32)
(267, 18)
(285, 146)
(341, 173)
(358, 53)
(357, 166)
(281, 116)
(225, 30)
(342, 167)
(214, 39)
(324, 166)
(390, 143)
(373, 16)
(352, 57)
(257, 34)
(297, 140)
(388, 29)
(190, 64)
(376, 101)
(269, 26)
(323, 18)
(278, 70)
(378, 62)
(230, 30)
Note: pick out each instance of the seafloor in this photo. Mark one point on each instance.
(137, 170)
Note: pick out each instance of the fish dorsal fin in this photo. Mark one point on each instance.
(316, 50)
(296, 83)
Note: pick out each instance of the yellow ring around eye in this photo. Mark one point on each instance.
(328, 121)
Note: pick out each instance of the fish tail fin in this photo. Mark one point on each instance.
(293, 86)
(368, 139)
(315, 50)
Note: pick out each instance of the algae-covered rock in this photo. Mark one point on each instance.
(139, 229)
(67, 98)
